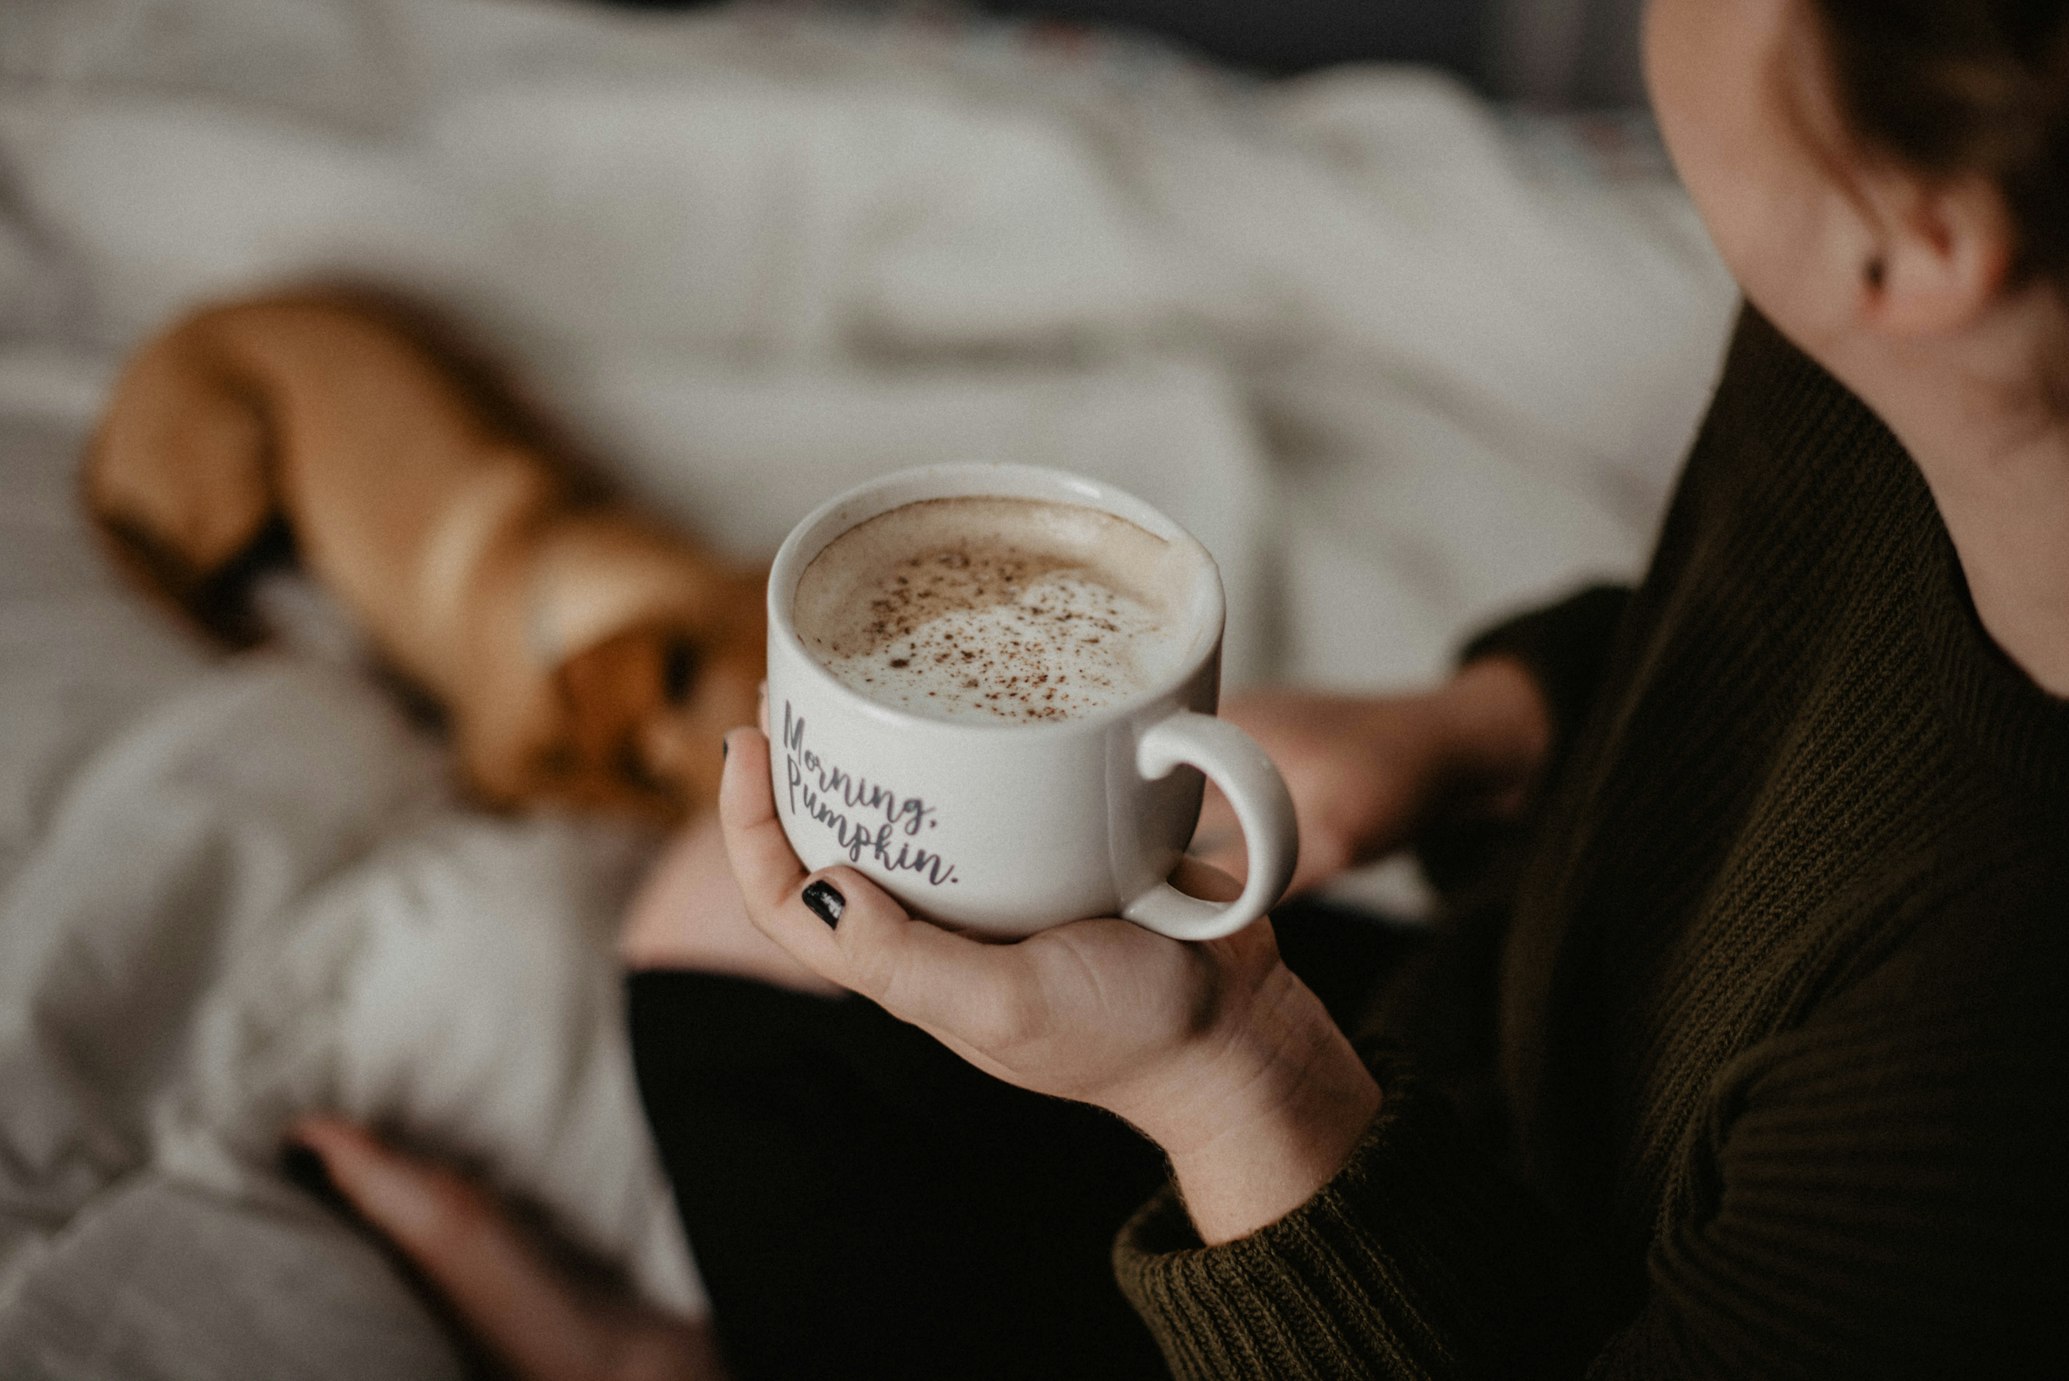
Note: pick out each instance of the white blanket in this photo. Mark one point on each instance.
(1400, 362)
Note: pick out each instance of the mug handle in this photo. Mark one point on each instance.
(1232, 759)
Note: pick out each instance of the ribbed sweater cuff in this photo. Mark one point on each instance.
(1419, 1259)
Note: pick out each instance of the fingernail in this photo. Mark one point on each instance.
(822, 901)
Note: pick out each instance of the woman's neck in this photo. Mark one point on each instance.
(1993, 445)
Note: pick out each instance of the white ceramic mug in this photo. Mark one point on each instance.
(1008, 828)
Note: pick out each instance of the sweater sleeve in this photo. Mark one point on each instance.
(1565, 646)
(1878, 1192)
(1419, 1259)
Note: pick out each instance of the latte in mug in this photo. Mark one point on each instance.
(1000, 609)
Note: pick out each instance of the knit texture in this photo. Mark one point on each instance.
(1779, 1003)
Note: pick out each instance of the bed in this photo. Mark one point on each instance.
(1400, 358)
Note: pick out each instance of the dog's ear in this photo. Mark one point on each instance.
(640, 714)
(612, 697)
(606, 692)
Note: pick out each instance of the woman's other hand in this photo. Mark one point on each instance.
(1215, 1051)
(1368, 773)
(531, 1315)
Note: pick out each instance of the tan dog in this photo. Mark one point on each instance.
(582, 654)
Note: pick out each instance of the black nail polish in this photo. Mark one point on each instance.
(822, 901)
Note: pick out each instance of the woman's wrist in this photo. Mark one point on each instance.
(1266, 1116)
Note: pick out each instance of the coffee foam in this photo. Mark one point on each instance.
(1000, 609)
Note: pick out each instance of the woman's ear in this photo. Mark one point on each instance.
(1942, 255)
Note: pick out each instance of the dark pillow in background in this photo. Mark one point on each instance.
(1272, 36)
(1286, 36)
(1557, 53)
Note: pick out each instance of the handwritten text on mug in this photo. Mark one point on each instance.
(818, 790)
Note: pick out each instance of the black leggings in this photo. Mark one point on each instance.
(863, 1203)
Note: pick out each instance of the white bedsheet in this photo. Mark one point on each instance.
(1399, 362)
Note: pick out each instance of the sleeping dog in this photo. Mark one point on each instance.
(581, 654)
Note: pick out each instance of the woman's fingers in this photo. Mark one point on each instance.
(523, 1309)
(770, 878)
(425, 1211)
(842, 926)
(847, 929)
(1208, 878)
(465, 1246)
(1218, 837)
(763, 863)
(1101, 1011)
(981, 994)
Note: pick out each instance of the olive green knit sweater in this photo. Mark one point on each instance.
(1773, 1026)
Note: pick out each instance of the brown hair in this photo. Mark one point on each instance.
(1958, 88)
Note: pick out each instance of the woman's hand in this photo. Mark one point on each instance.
(1367, 773)
(537, 1319)
(1215, 1051)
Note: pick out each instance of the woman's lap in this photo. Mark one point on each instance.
(863, 1202)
